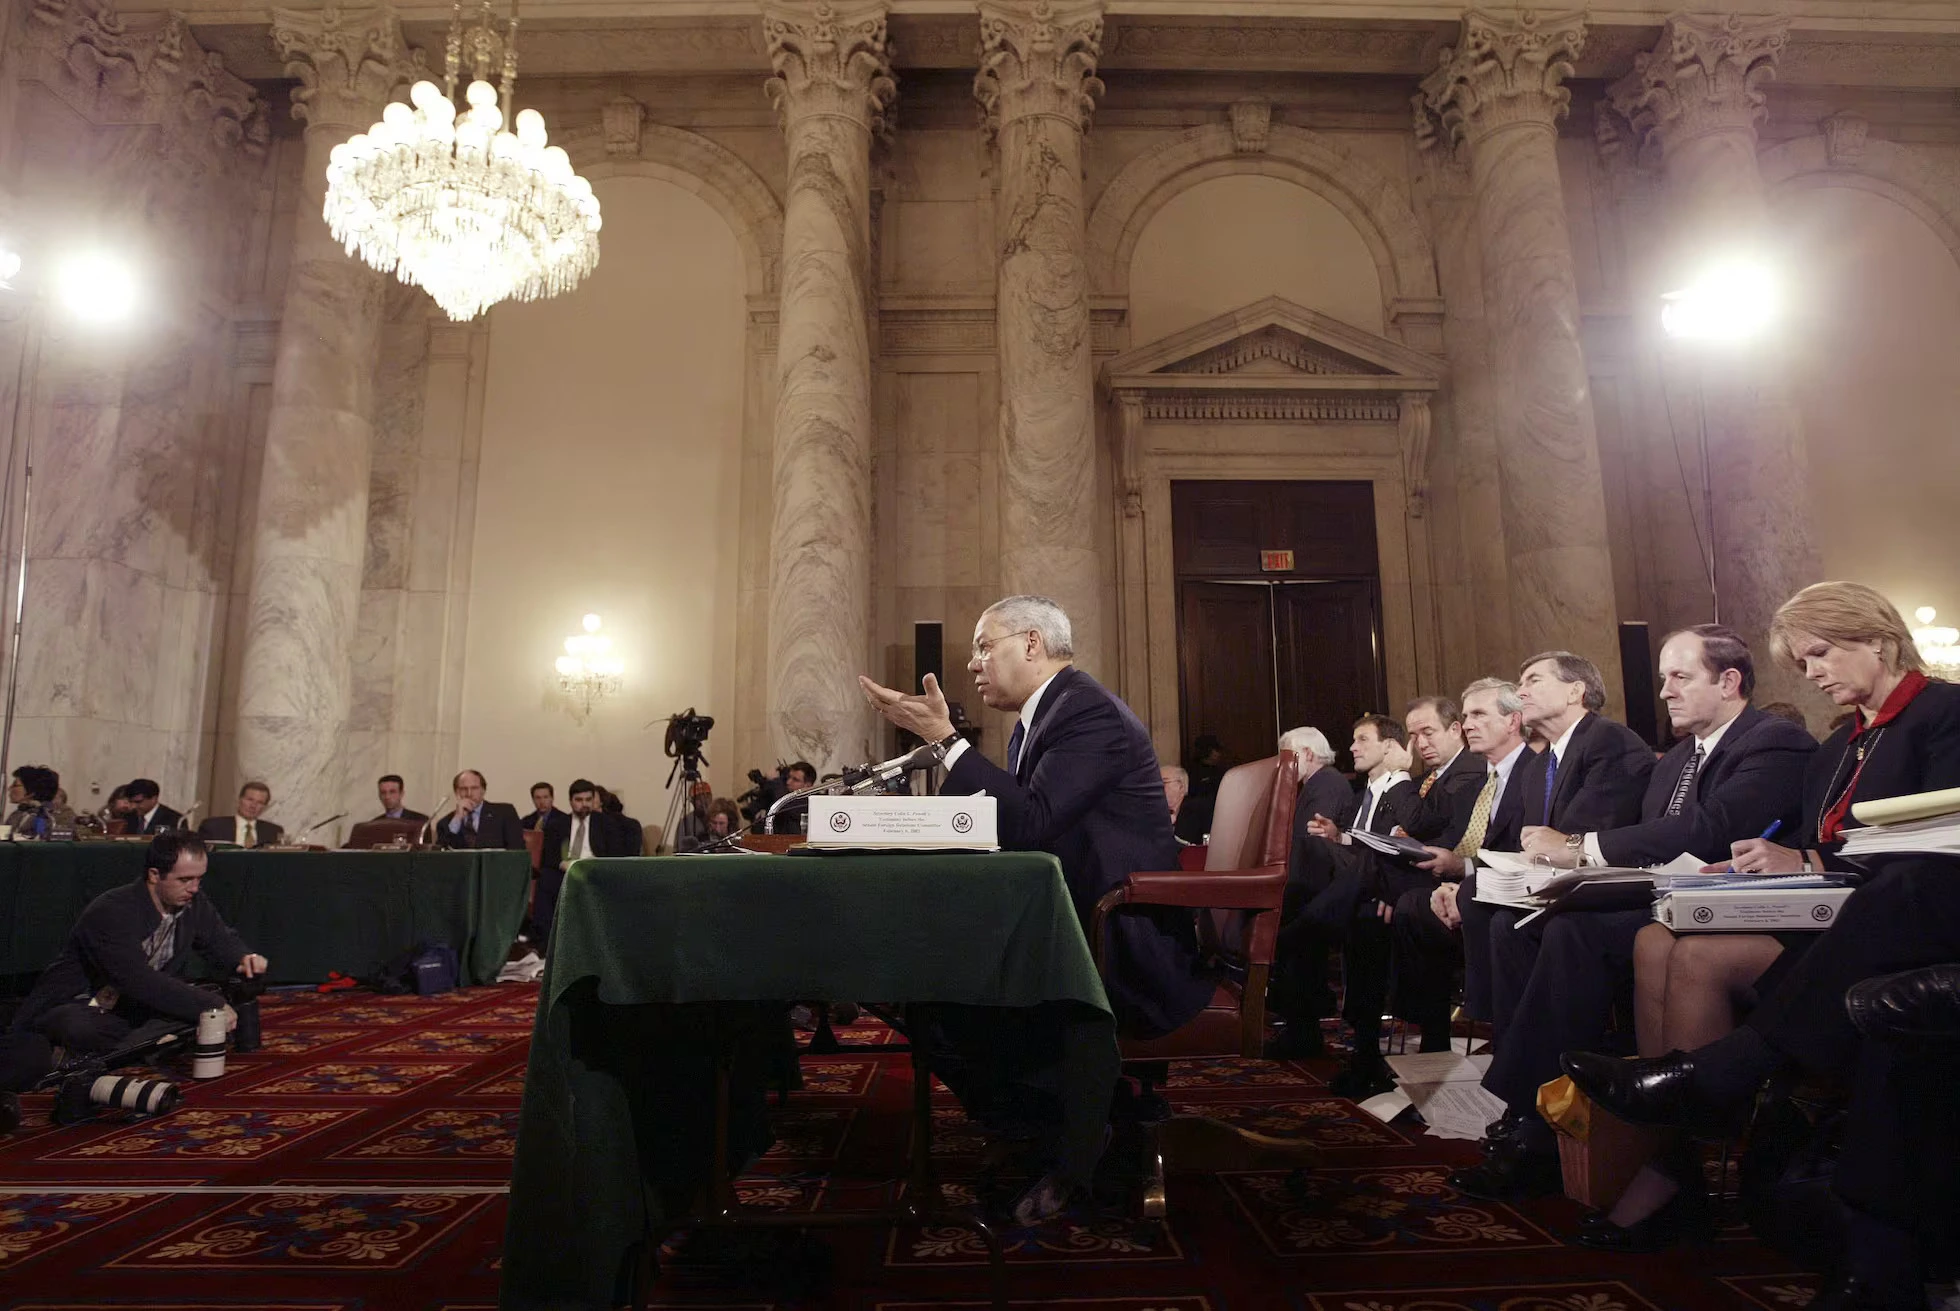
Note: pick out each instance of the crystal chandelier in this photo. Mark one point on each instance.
(456, 204)
(1939, 646)
(589, 671)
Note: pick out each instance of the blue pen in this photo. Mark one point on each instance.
(1775, 827)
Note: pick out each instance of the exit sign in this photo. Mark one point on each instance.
(1276, 562)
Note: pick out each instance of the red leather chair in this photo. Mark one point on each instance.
(1237, 899)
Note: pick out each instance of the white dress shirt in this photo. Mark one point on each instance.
(240, 834)
(1377, 789)
(958, 748)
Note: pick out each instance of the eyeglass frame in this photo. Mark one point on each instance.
(984, 650)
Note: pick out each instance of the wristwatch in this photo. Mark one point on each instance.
(1576, 844)
(945, 744)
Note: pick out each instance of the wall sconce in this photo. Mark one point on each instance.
(1938, 645)
(588, 670)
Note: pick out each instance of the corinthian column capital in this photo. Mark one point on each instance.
(829, 62)
(1509, 68)
(1704, 76)
(348, 62)
(1038, 60)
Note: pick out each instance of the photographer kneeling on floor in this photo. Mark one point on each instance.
(119, 980)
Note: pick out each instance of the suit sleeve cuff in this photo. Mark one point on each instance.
(954, 752)
(1594, 856)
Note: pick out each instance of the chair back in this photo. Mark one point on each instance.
(1252, 822)
(534, 843)
(371, 833)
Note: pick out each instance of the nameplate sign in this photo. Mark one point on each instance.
(921, 823)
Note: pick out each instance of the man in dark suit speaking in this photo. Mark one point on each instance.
(1082, 782)
(479, 825)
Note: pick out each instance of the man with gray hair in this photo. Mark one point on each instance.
(1299, 992)
(1082, 782)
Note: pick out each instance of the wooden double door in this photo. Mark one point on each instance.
(1265, 649)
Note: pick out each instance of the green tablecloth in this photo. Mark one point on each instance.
(307, 912)
(634, 937)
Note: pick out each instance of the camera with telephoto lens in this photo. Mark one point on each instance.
(84, 1093)
(243, 996)
(687, 733)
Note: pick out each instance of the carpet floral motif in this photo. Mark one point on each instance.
(1077, 1236)
(298, 1042)
(449, 1132)
(369, 1013)
(816, 1136)
(33, 1223)
(1544, 1297)
(1238, 1073)
(365, 1078)
(191, 1134)
(1776, 1292)
(1349, 1211)
(508, 1084)
(292, 1231)
(1330, 1122)
(838, 1078)
(1071, 1303)
(442, 1042)
(521, 1013)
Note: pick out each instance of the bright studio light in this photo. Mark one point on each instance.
(1733, 301)
(96, 287)
(9, 265)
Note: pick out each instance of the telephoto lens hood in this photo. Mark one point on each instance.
(82, 1096)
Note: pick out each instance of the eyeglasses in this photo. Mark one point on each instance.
(984, 648)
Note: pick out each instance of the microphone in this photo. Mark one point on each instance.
(323, 823)
(873, 778)
(428, 838)
(184, 820)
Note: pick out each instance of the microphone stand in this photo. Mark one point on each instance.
(428, 838)
(853, 782)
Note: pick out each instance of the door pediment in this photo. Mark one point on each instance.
(1274, 344)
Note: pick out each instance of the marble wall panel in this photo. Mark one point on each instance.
(936, 244)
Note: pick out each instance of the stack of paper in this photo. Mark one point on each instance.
(1446, 1088)
(1925, 822)
(1506, 878)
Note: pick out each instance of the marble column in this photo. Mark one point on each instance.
(1695, 101)
(311, 531)
(1497, 97)
(1037, 87)
(831, 86)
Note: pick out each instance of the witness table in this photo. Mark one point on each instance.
(641, 949)
(307, 912)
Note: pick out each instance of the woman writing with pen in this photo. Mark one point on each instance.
(1903, 737)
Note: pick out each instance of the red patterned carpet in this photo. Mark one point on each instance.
(296, 1174)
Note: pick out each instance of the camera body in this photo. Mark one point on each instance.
(687, 733)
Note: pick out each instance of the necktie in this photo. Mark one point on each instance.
(1428, 781)
(1014, 741)
(1551, 781)
(578, 839)
(1687, 783)
(1367, 809)
(1473, 836)
(251, 834)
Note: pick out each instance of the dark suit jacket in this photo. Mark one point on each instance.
(1325, 792)
(1089, 792)
(497, 829)
(557, 832)
(223, 828)
(165, 818)
(106, 948)
(415, 815)
(1396, 808)
(1600, 783)
(1917, 752)
(1505, 831)
(1752, 779)
(1442, 817)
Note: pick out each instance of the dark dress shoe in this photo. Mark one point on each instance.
(1362, 1079)
(1506, 1126)
(1297, 1042)
(1510, 1173)
(1917, 1005)
(1043, 1200)
(9, 1113)
(1683, 1220)
(1657, 1091)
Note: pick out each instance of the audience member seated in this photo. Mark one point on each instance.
(477, 824)
(628, 833)
(389, 789)
(1177, 786)
(544, 806)
(1205, 766)
(32, 793)
(1903, 737)
(119, 979)
(143, 813)
(1906, 916)
(245, 829)
(724, 817)
(1326, 878)
(691, 828)
(1735, 772)
(793, 817)
(1081, 782)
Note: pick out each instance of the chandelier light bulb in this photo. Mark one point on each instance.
(96, 287)
(9, 265)
(1925, 614)
(590, 623)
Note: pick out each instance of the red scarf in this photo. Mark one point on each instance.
(1831, 826)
